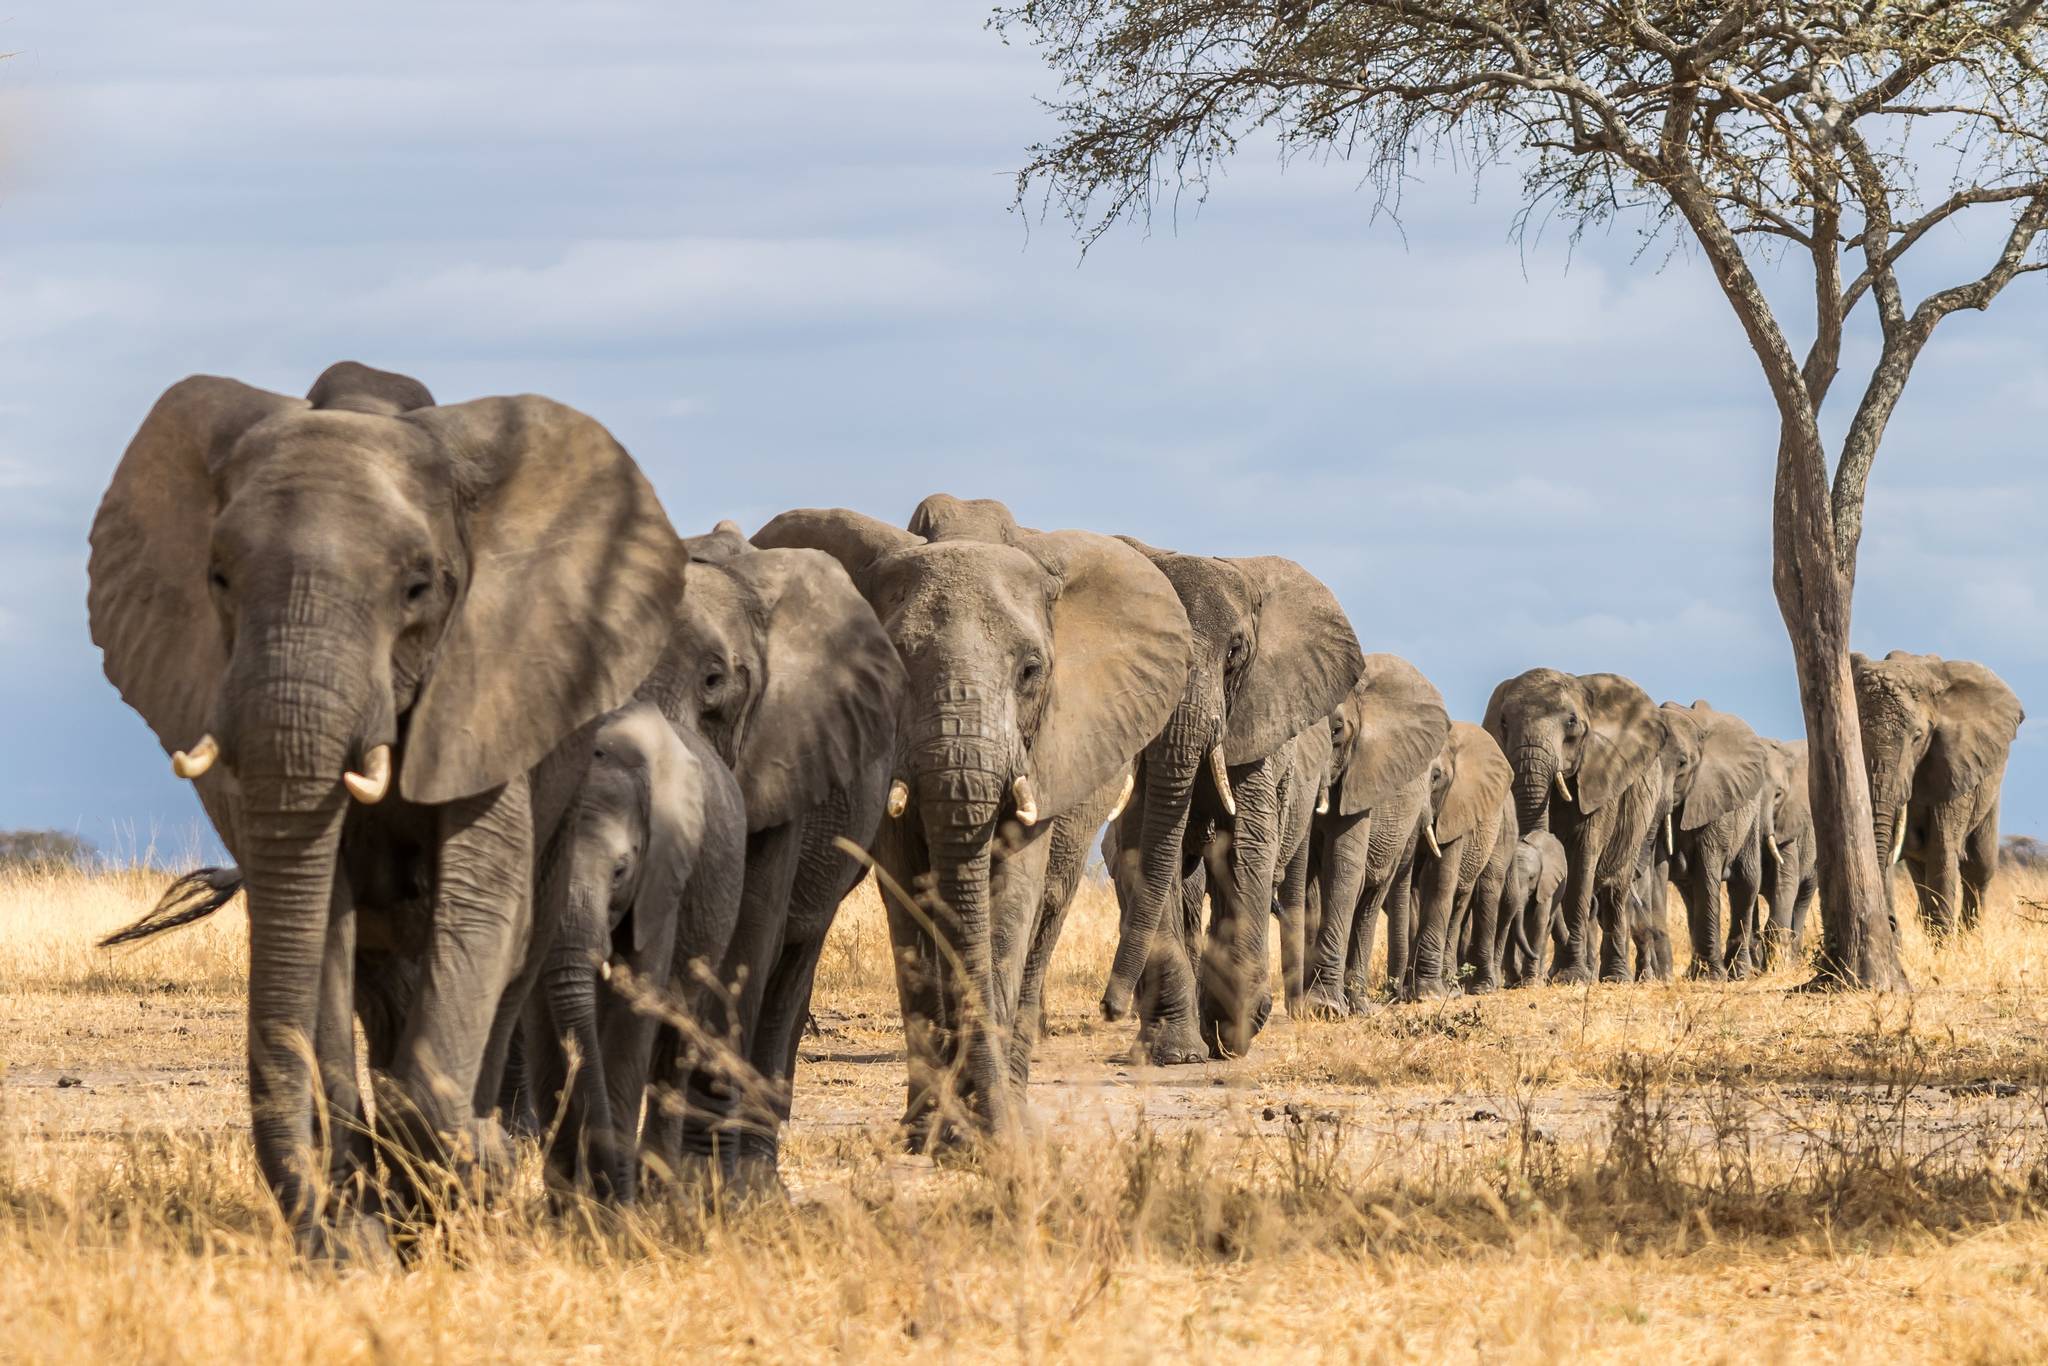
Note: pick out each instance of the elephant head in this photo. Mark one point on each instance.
(362, 593)
(1035, 671)
(1585, 737)
(1721, 763)
(1388, 728)
(1468, 785)
(636, 826)
(1788, 808)
(780, 664)
(1273, 654)
(1933, 729)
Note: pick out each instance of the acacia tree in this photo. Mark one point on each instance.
(1829, 136)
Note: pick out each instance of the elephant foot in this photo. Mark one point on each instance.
(1320, 1003)
(351, 1241)
(1482, 986)
(1173, 1043)
(1432, 989)
(1572, 975)
(1697, 971)
(755, 1179)
(1741, 970)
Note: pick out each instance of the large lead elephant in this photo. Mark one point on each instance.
(1936, 736)
(375, 633)
(1036, 671)
(1384, 738)
(1585, 752)
(1273, 655)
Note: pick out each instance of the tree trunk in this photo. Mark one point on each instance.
(1814, 591)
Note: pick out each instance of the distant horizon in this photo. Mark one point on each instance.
(1498, 457)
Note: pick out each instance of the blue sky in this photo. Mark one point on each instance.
(772, 248)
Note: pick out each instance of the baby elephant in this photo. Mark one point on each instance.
(652, 866)
(1529, 905)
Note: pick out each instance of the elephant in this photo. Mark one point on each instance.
(376, 634)
(1936, 736)
(1384, 737)
(1036, 671)
(653, 862)
(1531, 904)
(1649, 892)
(1273, 655)
(1790, 852)
(778, 662)
(1468, 842)
(1716, 835)
(1601, 732)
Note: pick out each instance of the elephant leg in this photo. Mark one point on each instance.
(1701, 888)
(342, 1125)
(1293, 899)
(1236, 993)
(1745, 887)
(1574, 966)
(1979, 867)
(1487, 945)
(1436, 893)
(1941, 881)
(1339, 884)
(483, 913)
(1802, 903)
(1168, 1034)
(722, 1094)
(778, 1033)
(1782, 881)
(1065, 863)
(1400, 911)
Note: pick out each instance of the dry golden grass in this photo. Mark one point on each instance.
(1729, 1172)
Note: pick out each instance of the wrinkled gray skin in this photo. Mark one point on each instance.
(1273, 655)
(1531, 904)
(1461, 868)
(1600, 733)
(1717, 833)
(655, 848)
(1656, 863)
(1936, 736)
(1385, 737)
(1278, 865)
(307, 580)
(1791, 856)
(1036, 670)
(780, 665)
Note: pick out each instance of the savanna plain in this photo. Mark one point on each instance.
(1701, 1171)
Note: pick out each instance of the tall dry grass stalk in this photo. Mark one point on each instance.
(1731, 1171)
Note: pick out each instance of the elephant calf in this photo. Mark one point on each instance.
(1531, 905)
(653, 866)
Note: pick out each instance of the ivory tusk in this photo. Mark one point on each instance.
(1899, 836)
(1670, 834)
(1429, 833)
(369, 788)
(190, 763)
(1771, 848)
(1221, 773)
(1564, 788)
(1323, 803)
(1123, 798)
(1026, 799)
(899, 798)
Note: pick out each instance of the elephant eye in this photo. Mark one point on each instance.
(712, 680)
(1235, 659)
(1030, 672)
(218, 580)
(417, 590)
(1571, 725)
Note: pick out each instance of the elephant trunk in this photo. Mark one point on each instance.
(1171, 765)
(964, 770)
(1535, 776)
(571, 983)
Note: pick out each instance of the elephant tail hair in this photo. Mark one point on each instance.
(192, 897)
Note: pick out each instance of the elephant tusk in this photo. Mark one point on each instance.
(1899, 836)
(899, 798)
(1771, 848)
(1564, 788)
(369, 788)
(191, 763)
(1027, 801)
(1323, 803)
(1670, 834)
(1429, 833)
(1219, 771)
(1123, 798)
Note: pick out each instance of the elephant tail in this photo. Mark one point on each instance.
(192, 897)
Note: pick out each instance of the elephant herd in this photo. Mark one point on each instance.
(504, 762)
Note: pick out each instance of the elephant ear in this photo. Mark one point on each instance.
(1398, 724)
(942, 517)
(350, 386)
(1624, 734)
(854, 539)
(832, 685)
(152, 540)
(720, 545)
(574, 574)
(1481, 777)
(1795, 819)
(1730, 769)
(1312, 756)
(1120, 647)
(1303, 663)
(1976, 719)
